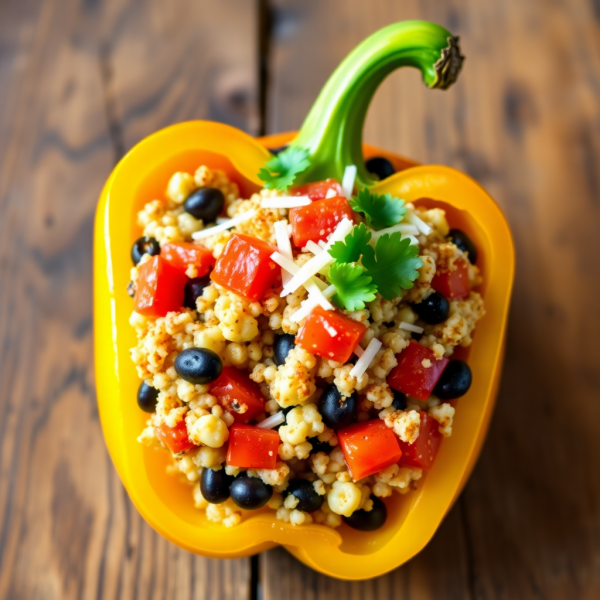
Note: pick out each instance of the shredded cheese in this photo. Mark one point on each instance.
(419, 223)
(292, 268)
(306, 271)
(314, 248)
(310, 303)
(359, 351)
(404, 228)
(364, 362)
(277, 419)
(285, 202)
(410, 327)
(348, 180)
(330, 193)
(285, 247)
(343, 228)
(204, 233)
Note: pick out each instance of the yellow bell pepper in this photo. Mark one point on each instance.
(333, 135)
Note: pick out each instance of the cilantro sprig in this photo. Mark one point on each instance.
(380, 210)
(279, 172)
(354, 286)
(388, 267)
(393, 264)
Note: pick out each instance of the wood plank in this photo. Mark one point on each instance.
(524, 121)
(80, 84)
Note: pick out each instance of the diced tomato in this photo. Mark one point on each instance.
(422, 452)
(182, 254)
(369, 447)
(245, 267)
(317, 220)
(318, 189)
(238, 394)
(411, 376)
(252, 447)
(175, 438)
(159, 288)
(316, 337)
(453, 284)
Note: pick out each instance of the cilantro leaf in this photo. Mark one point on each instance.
(353, 245)
(392, 264)
(354, 286)
(380, 210)
(279, 172)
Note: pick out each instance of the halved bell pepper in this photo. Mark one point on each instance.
(332, 133)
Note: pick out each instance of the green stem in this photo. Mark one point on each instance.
(332, 131)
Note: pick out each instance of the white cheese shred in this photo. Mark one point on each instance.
(411, 327)
(306, 271)
(314, 248)
(310, 303)
(405, 229)
(285, 247)
(348, 180)
(285, 202)
(359, 351)
(330, 193)
(277, 419)
(204, 233)
(364, 362)
(419, 223)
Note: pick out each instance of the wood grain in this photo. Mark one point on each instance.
(524, 120)
(81, 83)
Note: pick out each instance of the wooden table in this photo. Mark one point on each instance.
(82, 81)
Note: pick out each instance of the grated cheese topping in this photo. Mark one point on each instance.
(364, 362)
(410, 327)
(419, 223)
(306, 271)
(314, 248)
(330, 193)
(405, 229)
(348, 181)
(204, 233)
(277, 419)
(285, 202)
(285, 247)
(310, 303)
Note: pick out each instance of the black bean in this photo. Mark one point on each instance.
(198, 365)
(464, 242)
(214, 485)
(144, 245)
(147, 397)
(434, 309)
(193, 289)
(337, 411)
(455, 381)
(399, 402)
(283, 345)
(250, 492)
(380, 166)
(308, 499)
(368, 520)
(205, 203)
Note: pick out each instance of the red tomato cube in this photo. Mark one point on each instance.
(453, 284)
(316, 337)
(245, 267)
(369, 447)
(175, 438)
(182, 254)
(422, 452)
(252, 447)
(238, 395)
(159, 288)
(317, 221)
(411, 376)
(318, 189)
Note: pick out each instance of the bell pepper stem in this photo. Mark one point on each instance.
(332, 132)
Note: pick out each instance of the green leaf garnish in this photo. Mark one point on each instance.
(392, 264)
(353, 245)
(279, 172)
(380, 210)
(354, 286)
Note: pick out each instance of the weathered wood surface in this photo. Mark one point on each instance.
(81, 82)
